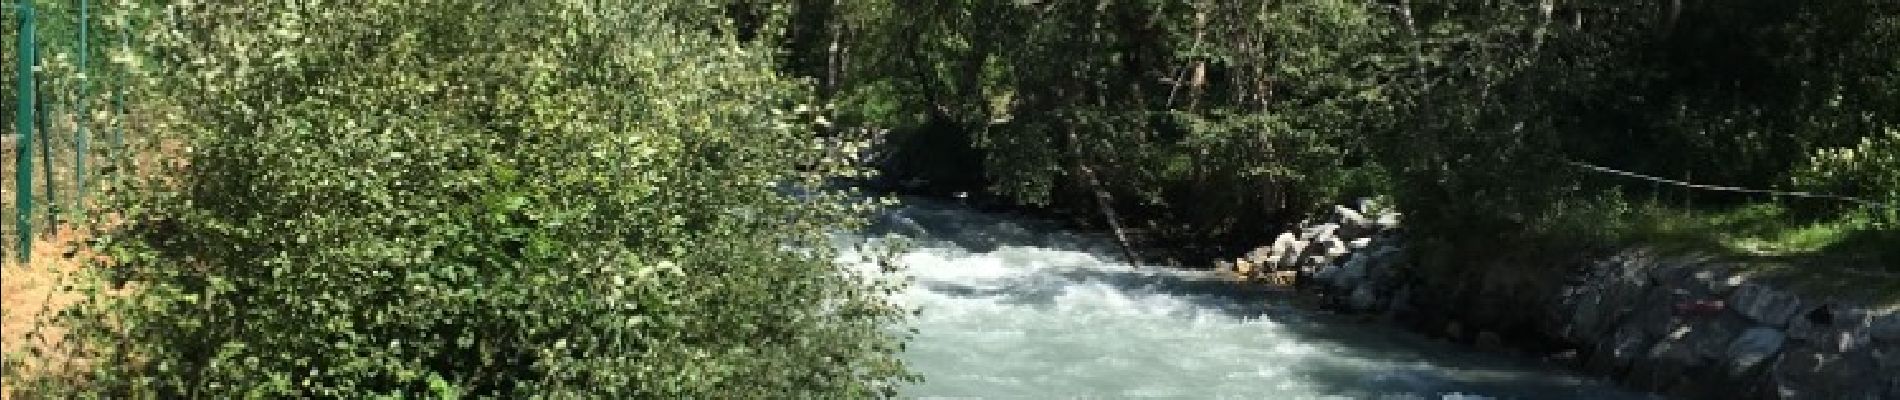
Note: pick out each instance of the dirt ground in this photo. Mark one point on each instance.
(34, 292)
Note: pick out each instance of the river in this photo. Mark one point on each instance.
(1015, 307)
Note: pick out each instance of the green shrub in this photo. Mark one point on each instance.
(470, 198)
(1870, 170)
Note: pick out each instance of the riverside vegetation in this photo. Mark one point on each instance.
(469, 198)
(568, 198)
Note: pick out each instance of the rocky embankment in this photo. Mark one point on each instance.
(1686, 326)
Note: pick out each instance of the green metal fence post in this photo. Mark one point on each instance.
(79, 123)
(24, 125)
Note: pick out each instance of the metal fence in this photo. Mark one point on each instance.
(53, 80)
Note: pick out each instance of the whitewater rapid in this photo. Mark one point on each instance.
(1018, 308)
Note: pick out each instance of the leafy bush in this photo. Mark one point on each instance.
(1870, 169)
(455, 197)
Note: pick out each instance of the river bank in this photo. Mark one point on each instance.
(1683, 324)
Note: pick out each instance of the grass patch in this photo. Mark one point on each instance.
(1844, 257)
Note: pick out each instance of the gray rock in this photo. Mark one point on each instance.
(1765, 305)
(1586, 317)
(1629, 344)
(1326, 273)
(1658, 317)
(1832, 327)
(1804, 373)
(1755, 346)
(1401, 302)
(1319, 260)
(1364, 298)
(1665, 363)
(1714, 281)
(1887, 357)
(1385, 255)
(1666, 274)
(1351, 273)
(1711, 337)
(1885, 327)
(1674, 347)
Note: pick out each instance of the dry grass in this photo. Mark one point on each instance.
(34, 293)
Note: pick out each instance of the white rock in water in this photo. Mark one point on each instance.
(1282, 245)
(1350, 217)
(1260, 255)
(1389, 221)
(1336, 248)
(1359, 243)
(1320, 232)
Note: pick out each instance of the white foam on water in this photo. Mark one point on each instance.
(1018, 309)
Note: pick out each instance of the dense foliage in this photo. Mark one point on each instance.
(1229, 117)
(628, 198)
(472, 198)
(1247, 108)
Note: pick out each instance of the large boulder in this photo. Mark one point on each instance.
(1766, 305)
(1350, 273)
(1832, 327)
(1710, 337)
(1625, 346)
(1752, 348)
(1885, 327)
(1586, 308)
(1806, 373)
(1275, 255)
(1364, 297)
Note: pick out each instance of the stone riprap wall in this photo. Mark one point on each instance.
(1686, 326)
(1353, 255)
(1696, 327)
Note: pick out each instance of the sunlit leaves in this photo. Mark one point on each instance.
(510, 199)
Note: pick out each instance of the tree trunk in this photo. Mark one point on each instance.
(1104, 203)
